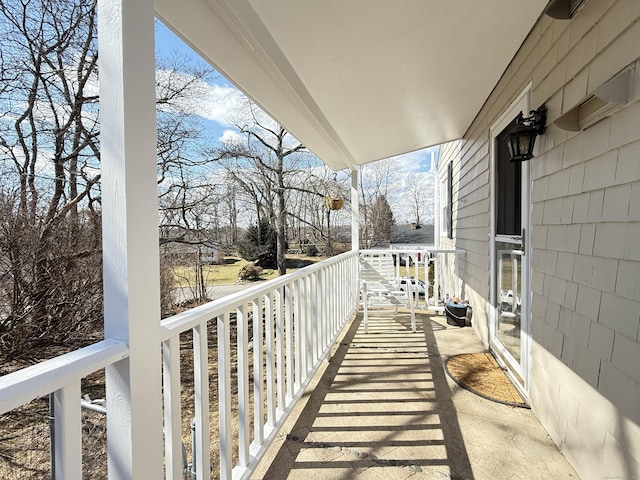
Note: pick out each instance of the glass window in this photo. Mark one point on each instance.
(508, 188)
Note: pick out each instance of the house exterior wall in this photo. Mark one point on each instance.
(471, 206)
(585, 235)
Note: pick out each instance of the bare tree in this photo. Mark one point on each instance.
(263, 165)
(50, 223)
(49, 154)
(415, 191)
(190, 192)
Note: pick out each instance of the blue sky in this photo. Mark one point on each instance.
(167, 43)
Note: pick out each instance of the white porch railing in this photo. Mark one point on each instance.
(61, 377)
(294, 321)
(281, 330)
(446, 278)
(291, 323)
(438, 269)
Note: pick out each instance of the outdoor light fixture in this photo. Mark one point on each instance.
(522, 137)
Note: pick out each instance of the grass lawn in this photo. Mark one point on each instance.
(228, 272)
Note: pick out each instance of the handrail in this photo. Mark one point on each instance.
(23, 386)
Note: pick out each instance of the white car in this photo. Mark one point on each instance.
(507, 301)
(418, 285)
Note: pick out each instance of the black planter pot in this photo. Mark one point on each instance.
(456, 314)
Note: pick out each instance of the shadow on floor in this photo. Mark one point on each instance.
(381, 410)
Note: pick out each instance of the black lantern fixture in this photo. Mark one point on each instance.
(522, 137)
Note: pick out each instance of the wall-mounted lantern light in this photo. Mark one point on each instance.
(522, 137)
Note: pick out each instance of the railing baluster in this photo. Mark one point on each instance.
(325, 298)
(201, 381)
(309, 325)
(346, 294)
(305, 308)
(343, 275)
(258, 376)
(328, 306)
(341, 292)
(436, 280)
(280, 344)
(318, 316)
(288, 339)
(299, 352)
(310, 322)
(172, 407)
(326, 309)
(258, 373)
(365, 307)
(243, 388)
(224, 395)
(304, 348)
(270, 359)
(335, 301)
(68, 432)
(330, 280)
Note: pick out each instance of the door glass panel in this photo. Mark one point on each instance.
(509, 304)
(508, 188)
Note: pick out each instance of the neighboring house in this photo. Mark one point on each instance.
(552, 264)
(188, 246)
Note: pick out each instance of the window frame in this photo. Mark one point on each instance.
(446, 202)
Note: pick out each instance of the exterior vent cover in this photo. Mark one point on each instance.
(602, 103)
(562, 9)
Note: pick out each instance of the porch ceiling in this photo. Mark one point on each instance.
(359, 80)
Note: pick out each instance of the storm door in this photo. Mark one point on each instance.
(509, 257)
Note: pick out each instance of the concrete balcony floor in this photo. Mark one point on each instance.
(384, 408)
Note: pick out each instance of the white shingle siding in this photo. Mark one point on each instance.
(628, 280)
(601, 341)
(585, 235)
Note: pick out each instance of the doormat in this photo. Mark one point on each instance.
(480, 373)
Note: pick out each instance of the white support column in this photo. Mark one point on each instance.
(437, 221)
(130, 236)
(355, 211)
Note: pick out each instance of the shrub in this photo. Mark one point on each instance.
(249, 272)
(311, 250)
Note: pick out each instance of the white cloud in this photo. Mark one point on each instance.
(418, 161)
(233, 137)
(409, 162)
(219, 103)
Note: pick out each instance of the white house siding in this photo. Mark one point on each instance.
(470, 223)
(585, 238)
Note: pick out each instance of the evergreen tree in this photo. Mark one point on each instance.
(382, 220)
(260, 245)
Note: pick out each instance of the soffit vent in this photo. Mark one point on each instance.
(603, 102)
